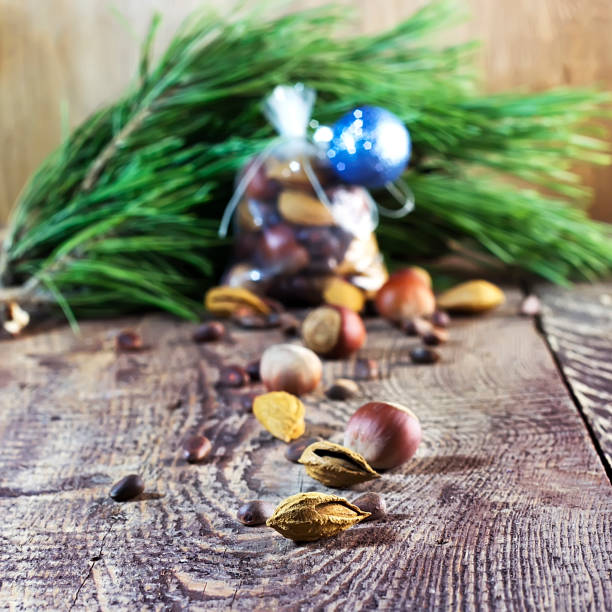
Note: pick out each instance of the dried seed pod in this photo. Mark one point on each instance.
(196, 449)
(224, 300)
(234, 376)
(342, 389)
(281, 413)
(307, 517)
(255, 512)
(209, 332)
(128, 340)
(420, 354)
(372, 503)
(473, 296)
(127, 488)
(335, 465)
(302, 209)
(295, 449)
(339, 292)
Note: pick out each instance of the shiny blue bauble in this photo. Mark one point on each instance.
(370, 146)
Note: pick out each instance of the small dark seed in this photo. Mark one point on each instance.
(365, 369)
(175, 404)
(436, 336)
(343, 389)
(373, 503)
(233, 376)
(531, 306)
(209, 332)
(440, 318)
(420, 354)
(246, 401)
(295, 449)
(289, 324)
(196, 449)
(128, 341)
(416, 326)
(127, 488)
(252, 370)
(255, 512)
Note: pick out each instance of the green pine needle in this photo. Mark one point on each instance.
(124, 214)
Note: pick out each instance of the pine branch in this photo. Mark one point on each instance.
(124, 214)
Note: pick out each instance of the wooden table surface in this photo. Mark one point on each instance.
(507, 504)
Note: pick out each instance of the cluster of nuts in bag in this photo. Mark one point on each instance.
(301, 233)
(292, 246)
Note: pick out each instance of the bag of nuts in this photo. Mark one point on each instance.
(301, 235)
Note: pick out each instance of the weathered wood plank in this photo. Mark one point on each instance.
(578, 326)
(506, 505)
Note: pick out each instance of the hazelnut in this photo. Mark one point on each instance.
(291, 368)
(385, 434)
(406, 294)
(333, 331)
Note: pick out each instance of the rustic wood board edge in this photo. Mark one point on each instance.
(577, 325)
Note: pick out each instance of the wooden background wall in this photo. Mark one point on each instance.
(80, 54)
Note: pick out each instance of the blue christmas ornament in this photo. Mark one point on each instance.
(370, 146)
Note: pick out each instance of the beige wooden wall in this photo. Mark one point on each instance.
(80, 54)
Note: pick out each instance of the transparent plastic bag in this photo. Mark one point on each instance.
(300, 233)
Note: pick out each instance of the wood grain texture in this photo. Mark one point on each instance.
(505, 506)
(578, 326)
(81, 54)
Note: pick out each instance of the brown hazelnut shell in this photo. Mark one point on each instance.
(406, 294)
(333, 331)
(385, 434)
